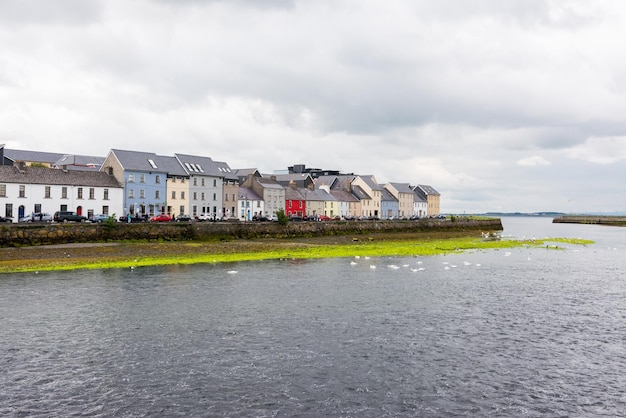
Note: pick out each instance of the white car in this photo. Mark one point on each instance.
(37, 217)
(202, 217)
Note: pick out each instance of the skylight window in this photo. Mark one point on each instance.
(152, 163)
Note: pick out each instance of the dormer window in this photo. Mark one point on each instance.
(152, 163)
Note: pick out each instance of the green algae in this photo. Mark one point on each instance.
(303, 251)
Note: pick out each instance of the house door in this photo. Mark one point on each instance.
(20, 212)
(79, 210)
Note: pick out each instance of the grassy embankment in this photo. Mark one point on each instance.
(132, 255)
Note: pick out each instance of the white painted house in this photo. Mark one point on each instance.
(26, 190)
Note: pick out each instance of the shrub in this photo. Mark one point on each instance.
(282, 218)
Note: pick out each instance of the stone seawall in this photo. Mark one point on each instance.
(12, 235)
(596, 220)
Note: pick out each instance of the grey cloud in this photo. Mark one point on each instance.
(58, 12)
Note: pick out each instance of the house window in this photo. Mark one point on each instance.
(181, 209)
(173, 194)
(142, 194)
(214, 196)
(195, 181)
(157, 194)
(92, 193)
(3, 190)
(37, 207)
(8, 210)
(173, 179)
(131, 193)
(22, 191)
(203, 184)
(131, 177)
(80, 192)
(195, 195)
(46, 192)
(202, 195)
(106, 194)
(226, 197)
(233, 196)
(105, 210)
(157, 179)
(142, 178)
(63, 192)
(182, 195)
(214, 183)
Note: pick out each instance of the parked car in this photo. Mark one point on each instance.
(323, 218)
(184, 218)
(98, 218)
(164, 217)
(6, 219)
(64, 216)
(134, 219)
(260, 218)
(36, 217)
(272, 218)
(203, 217)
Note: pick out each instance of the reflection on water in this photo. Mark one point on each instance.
(522, 331)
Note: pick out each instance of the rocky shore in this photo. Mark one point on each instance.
(62, 256)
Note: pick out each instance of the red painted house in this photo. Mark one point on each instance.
(295, 204)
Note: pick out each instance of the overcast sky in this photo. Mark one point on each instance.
(499, 105)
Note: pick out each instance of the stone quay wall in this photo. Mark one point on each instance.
(588, 219)
(17, 235)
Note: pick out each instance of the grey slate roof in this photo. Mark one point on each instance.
(301, 179)
(54, 177)
(317, 195)
(343, 196)
(419, 195)
(140, 161)
(269, 183)
(79, 162)
(194, 164)
(246, 193)
(34, 156)
(325, 180)
(360, 193)
(371, 182)
(428, 190)
(293, 194)
(387, 196)
(172, 166)
(242, 173)
(402, 187)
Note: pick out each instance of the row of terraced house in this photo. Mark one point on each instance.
(144, 183)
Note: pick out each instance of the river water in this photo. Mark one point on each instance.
(521, 332)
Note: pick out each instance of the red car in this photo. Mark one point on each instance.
(164, 217)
